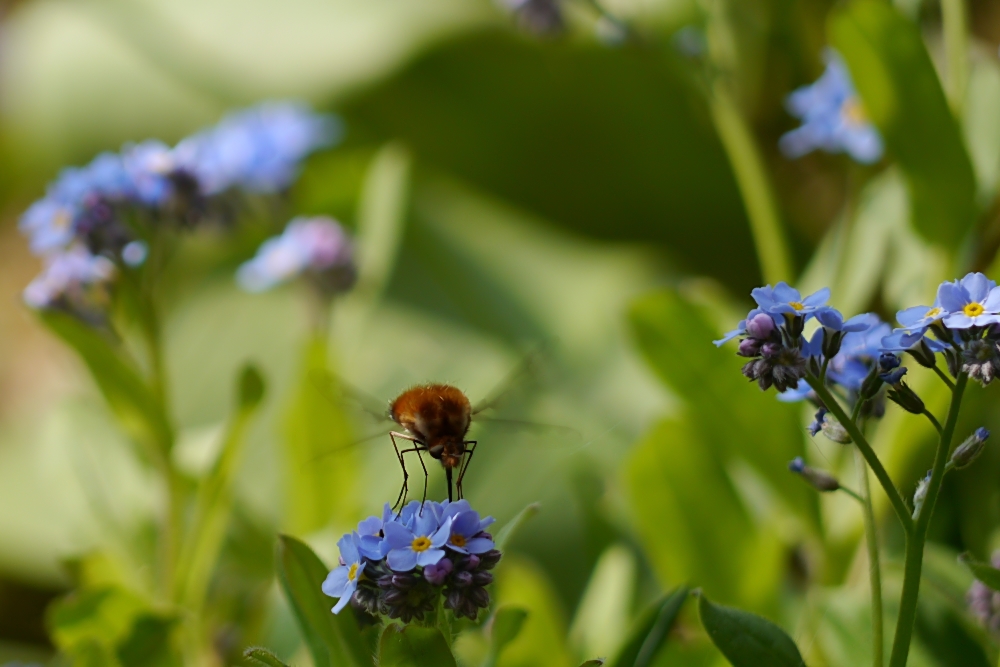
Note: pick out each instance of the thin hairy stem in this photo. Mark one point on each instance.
(917, 537)
(874, 566)
(944, 378)
(895, 499)
(933, 420)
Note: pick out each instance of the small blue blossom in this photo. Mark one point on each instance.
(258, 149)
(901, 341)
(343, 580)
(48, 224)
(75, 279)
(832, 319)
(149, 166)
(858, 353)
(833, 118)
(371, 544)
(318, 245)
(972, 301)
(916, 319)
(783, 299)
(466, 534)
(420, 545)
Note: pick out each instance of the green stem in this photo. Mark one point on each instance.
(944, 378)
(954, 20)
(874, 567)
(853, 494)
(933, 420)
(831, 403)
(752, 180)
(917, 537)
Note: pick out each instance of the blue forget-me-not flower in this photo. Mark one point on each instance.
(343, 580)
(833, 118)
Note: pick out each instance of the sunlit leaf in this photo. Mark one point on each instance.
(261, 655)
(650, 631)
(902, 94)
(748, 640)
(118, 379)
(334, 640)
(414, 646)
(984, 572)
(601, 620)
(542, 639)
(511, 527)
(504, 628)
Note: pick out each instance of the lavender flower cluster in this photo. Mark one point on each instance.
(399, 565)
(95, 220)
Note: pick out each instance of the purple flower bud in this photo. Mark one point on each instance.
(482, 578)
(887, 362)
(438, 572)
(761, 326)
(749, 347)
(771, 349)
(462, 579)
(797, 465)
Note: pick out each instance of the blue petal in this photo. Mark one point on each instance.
(912, 315)
(336, 582)
(397, 536)
(859, 323)
(977, 285)
(797, 394)
(479, 545)
(465, 524)
(370, 526)
(785, 293)
(958, 321)
(425, 523)
(992, 301)
(441, 536)
(349, 548)
(952, 297)
(729, 336)
(817, 298)
(831, 318)
(402, 560)
(429, 557)
(764, 296)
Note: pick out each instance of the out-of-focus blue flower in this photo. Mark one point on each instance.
(901, 341)
(48, 224)
(832, 319)
(858, 353)
(783, 299)
(343, 580)
(259, 149)
(800, 392)
(972, 301)
(916, 319)
(893, 377)
(134, 253)
(466, 538)
(421, 545)
(833, 118)
(149, 166)
(316, 245)
(74, 278)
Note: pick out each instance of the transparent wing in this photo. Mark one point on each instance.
(524, 374)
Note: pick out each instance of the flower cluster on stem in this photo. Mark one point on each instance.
(402, 565)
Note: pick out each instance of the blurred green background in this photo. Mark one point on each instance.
(521, 189)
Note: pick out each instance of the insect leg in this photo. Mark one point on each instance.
(465, 466)
(420, 458)
(402, 464)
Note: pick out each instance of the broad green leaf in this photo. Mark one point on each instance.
(214, 500)
(149, 643)
(511, 527)
(748, 640)
(734, 419)
(321, 470)
(127, 394)
(601, 620)
(414, 646)
(902, 95)
(259, 654)
(542, 639)
(984, 572)
(334, 640)
(650, 631)
(982, 132)
(506, 625)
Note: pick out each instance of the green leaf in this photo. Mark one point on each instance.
(902, 94)
(674, 333)
(263, 656)
(414, 646)
(650, 631)
(214, 500)
(984, 572)
(596, 662)
(334, 640)
(127, 394)
(507, 532)
(748, 640)
(149, 643)
(506, 625)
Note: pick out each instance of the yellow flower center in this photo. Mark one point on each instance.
(796, 305)
(458, 540)
(63, 219)
(853, 112)
(421, 544)
(933, 312)
(352, 572)
(973, 309)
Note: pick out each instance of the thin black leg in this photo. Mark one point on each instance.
(401, 499)
(465, 466)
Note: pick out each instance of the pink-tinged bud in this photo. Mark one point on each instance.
(749, 347)
(761, 326)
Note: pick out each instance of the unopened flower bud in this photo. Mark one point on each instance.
(871, 384)
(970, 450)
(760, 326)
(887, 361)
(894, 376)
(831, 342)
(817, 425)
(819, 479)
(906, 398)
(923, 354)
(749, 347)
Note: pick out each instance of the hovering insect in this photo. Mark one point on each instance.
(436, 417)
